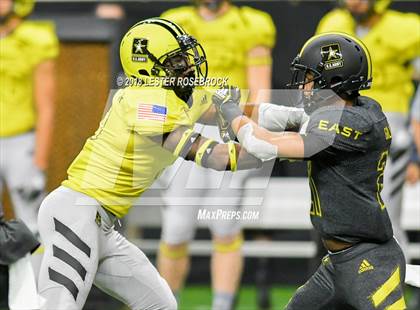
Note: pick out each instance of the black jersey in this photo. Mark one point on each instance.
(347, 148)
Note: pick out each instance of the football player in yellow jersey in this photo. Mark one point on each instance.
(393, 38)
(238, 43)
(148, 126)
(27, 53)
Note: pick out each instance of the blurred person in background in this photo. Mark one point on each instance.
(116, 14)
(393, 39)
(238, 43)
(27, 84)
(415, 122)
(413, 170)
(413, 173)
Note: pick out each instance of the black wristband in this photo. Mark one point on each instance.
(207, 154)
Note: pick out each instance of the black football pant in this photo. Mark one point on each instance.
(363, 277)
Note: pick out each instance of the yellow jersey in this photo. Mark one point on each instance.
(228, 38)
(120, 161)
(31, 43)
(393, 42)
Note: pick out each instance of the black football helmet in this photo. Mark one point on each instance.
(333, 61)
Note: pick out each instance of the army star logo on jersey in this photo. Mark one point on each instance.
(139, 50)
(331, 56)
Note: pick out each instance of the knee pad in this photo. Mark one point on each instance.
(232, 246)
(169, 252)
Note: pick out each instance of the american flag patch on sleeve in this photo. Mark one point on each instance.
(151, 112)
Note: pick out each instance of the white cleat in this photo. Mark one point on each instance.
(412, 275)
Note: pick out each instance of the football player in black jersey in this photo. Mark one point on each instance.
(345, 138)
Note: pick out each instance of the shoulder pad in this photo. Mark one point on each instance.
(373, 107)
(336, 20)
(180, 14)
(402, 29)
(42, 37)
(39, 32)
(260, 24)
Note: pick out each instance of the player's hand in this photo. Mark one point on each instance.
(227, 95)
(227, 101)
(224, 97)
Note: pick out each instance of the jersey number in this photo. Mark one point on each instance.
(380, 178)
(315, 202)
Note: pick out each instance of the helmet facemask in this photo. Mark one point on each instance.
(183, 66)
(318, 95)
(189, 55)
(178, 67)
(303, 74)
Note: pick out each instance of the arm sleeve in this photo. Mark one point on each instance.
(259, 148)
(280, 118)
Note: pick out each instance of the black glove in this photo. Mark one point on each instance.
(228, 94)
(15, 241)
(227, 101)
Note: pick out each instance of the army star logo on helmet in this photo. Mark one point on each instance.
(139, 48)
(331, 56)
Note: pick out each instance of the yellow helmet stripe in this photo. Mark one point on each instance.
(174, 25)
(369, 61)
(170, 26)
(309, 42)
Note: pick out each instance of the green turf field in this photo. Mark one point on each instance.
(199, 297)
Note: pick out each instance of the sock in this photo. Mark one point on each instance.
(223, 301)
